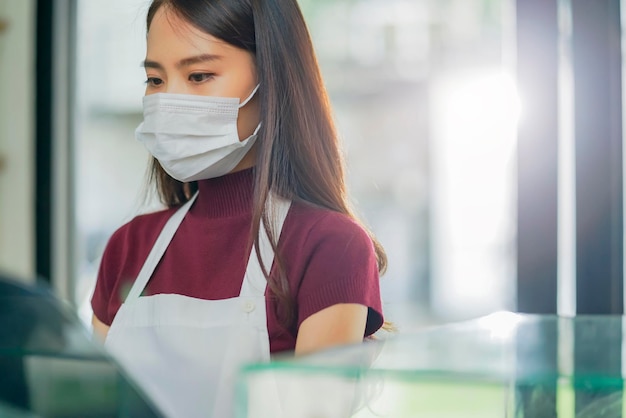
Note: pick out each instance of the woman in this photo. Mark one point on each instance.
(258, 252)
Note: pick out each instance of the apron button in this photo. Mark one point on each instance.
(248, 306)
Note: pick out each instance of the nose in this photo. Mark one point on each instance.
(176, 85)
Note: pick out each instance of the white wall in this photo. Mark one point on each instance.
(17, 60)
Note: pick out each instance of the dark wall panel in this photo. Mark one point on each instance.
(537, 70)
(596, 45)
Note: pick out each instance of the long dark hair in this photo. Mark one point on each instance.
(299, 156)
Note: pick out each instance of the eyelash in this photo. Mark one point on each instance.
(154, 81)
(203, 77)
(196, 78)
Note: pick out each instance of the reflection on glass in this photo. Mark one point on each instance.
(501, 365)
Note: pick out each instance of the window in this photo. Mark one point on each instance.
(426, 107)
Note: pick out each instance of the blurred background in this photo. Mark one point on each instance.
(455, 116)
(427, 165)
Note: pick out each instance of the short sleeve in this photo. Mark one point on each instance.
(341, 268)
(121, 261)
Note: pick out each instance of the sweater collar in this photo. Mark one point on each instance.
(225, 196)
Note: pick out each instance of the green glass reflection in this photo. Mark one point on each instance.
(502, 365)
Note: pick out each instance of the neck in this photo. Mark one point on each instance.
(226, 196)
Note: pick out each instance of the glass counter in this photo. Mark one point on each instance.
(50, 367)
(502, 365)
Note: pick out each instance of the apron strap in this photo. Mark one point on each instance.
(158, 249)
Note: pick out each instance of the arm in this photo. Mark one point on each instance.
(100, 329)
(338, 324)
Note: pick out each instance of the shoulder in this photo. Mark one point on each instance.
(314, 226)
(136, 235)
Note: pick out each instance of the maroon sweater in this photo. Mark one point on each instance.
(329, 258)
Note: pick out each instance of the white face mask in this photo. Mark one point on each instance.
(194, 137)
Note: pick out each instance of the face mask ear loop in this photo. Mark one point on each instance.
(245, 102)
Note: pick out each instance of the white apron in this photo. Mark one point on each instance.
(185, 352)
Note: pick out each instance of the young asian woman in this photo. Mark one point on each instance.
(258, 251)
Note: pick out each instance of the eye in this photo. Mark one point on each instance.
(154, 81)
(200, 77)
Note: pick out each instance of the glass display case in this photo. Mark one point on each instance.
(501, 365)
(50, 367)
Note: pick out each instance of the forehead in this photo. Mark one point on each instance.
(170, 36)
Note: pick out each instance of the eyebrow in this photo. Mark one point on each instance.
(185, 62)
